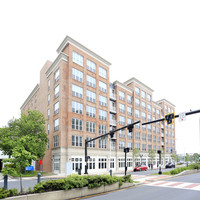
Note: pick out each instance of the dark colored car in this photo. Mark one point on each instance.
(170, 165)
(140, 168)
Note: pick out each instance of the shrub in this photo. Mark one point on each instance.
(76, 181)
(3, 193)
(13, 192)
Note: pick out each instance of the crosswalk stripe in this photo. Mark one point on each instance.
(178, 185)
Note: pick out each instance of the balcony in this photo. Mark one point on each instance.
(113, 96)
(162, 134)
(162, 143)
(113, 122)
(113, 109)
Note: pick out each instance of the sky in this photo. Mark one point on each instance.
(157, 42)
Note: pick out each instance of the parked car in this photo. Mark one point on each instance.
(170, 165)
(140, 168)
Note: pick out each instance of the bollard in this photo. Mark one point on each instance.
(110, 172)
(38, 180)
(6, 181)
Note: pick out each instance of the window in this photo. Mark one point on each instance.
(113, 144)
(143, 116)
(56, 108)
(137, 102)
(77, 75)
(77, 91)
(48, 128)
(91, 66)
(137, 135)
(77, 141)
(56, 141)
(56, 163)
(91, 127)
(121, 95)
(158, 113)
(49, 84)
(56, 75)
(144, 136)
(137, 113)
(48, 99)
(144, 148)
(154, 111)
(129, 135)
(129, 121)
(149, 97)
(149, 127)
(102, 163)
(112, 163)
(122, 133)
(102, 129)
(91, 96)
(102, 72)
(48, 143)
(121, 162)
(149, 117)
(76, 164)
(77, 58)
(48, 113)
(149, 147)
(77, 107)
(129, 98)
(102, 100)
(137, 91)
(150, 138)
(56, 124)
(137, 145)
(143, 94)
(121, 145)
(158, 139)
(121, 120)
(56, 91)
(77, 124)
(130, 145)
(102, 143)
(102, 86)
(102, 115)
(91, 81)
(158, 130)
(90, 111)
(91, 144)
(149, 107)
(121, 108)
(91, 163)
(143, 105)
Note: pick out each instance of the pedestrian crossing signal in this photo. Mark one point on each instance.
(169, 118)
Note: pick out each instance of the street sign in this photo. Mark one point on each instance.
(182, 117)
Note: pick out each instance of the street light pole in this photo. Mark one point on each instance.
(159, 152)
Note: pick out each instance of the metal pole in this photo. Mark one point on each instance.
(6, 181)
(39, 176)
(86, 157)
(125, 163)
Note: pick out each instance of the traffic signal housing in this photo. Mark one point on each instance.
(169, 118)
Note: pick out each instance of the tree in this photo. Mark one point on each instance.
(195, 157)
(20, 158)
(175, 157)
(152, 156)
(31, 125)
(136, 153)
(24, 140)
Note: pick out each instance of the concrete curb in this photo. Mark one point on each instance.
(73, 193)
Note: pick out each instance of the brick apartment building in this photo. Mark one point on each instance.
(77, 99)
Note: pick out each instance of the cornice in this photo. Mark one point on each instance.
(69, 40)
(122, 86)
(61, 56)
(37, 87)
(133, 79)
(166, 101)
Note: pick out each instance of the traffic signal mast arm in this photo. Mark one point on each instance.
(113, 131)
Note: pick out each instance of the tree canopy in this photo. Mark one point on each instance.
(28, 131)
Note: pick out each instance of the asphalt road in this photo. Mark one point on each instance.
(148, 192)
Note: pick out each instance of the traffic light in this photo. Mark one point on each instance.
(112, 134)
(130, 128)
(169, 118)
